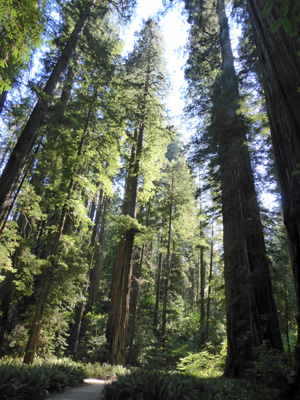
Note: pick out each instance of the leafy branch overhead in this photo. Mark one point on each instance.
(122, 243)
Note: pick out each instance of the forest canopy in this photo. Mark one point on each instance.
(120, 243)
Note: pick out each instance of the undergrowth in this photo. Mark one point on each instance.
(104, 371)
(158, 385)
(209, 363)
(35, 382)
(199, 376)
(23, 382)
(196, 377)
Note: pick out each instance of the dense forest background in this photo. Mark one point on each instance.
(119, 243)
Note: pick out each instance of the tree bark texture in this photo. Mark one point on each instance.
(48, 276)
(209, 283)
(81, 308)
(42, 294)
(167, 268)
(96, 270)
(135, 295)
(280, 64)
(251, 311)
(18, 159)
(202, 281)
(95, 258)
(116, 332)
(137, 290)
(157, 297)
(75, 329)
(119, 311)
(37, 320)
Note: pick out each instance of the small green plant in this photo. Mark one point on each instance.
(270, 368)
(163, 353)
(205, 363)
(104, 371)
(19, 381)
(158, 385)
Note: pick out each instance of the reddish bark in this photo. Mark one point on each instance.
(280, 64)
(251, 312)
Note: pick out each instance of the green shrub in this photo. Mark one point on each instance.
(205, 363)
(104, 371)
(150, 385)
(19, 381)
(22, 382)
(164, 353)
(270, 368)
(233, 389)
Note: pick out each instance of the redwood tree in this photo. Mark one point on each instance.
(276, 33)
(251, 313)
(144, 69)
(18, 159)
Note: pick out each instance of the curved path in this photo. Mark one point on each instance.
(90, 390)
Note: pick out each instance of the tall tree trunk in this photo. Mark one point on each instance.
(286, 314)
(18, 159)
(53, 251)
(202, 278)
(80, 308)
(116, 332)
(3, 97)
(251, 311)
(209, 282)
(280, 64)
(42, 294)
(37, 320)
(157, 296)
(137, 289)
(193, 291)
(8, 285)
(167, 268)
(135, 295)
(202, 296)
(75, 328)
(96, 270)
(119, 311)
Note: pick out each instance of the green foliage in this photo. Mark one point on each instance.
(287, 13)
(35, 382)
(104, 371)
(163, 353)
(8, 244)
(18, 381)
(16, 341)
(292, 340)
(208, 363)
(127, 223)
(94, 347)
(149, 385)
(235, 389)
(110, 97)
(270, 368)
(21, 23)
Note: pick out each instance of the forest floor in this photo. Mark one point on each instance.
(90, 390)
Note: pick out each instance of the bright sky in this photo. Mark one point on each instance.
(174, 28)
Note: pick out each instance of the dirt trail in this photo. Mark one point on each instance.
(90, 390)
